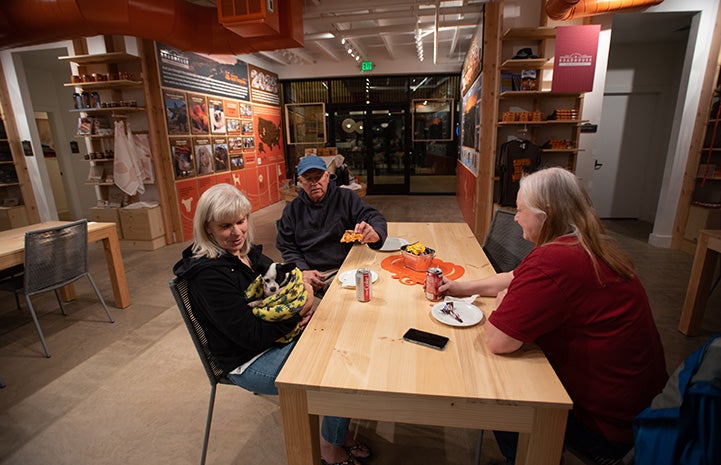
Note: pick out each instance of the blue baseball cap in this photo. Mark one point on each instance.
(311, 162)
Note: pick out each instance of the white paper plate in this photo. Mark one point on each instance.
(347, 278)
(393, 243)
(470, 314)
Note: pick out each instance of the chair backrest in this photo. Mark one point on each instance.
(505, 246)
(179, 288)
(55, 256)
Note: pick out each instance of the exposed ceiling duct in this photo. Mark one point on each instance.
(562, 10)
(178, 23)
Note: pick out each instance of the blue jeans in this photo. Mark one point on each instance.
(578, 438)
(260, 376)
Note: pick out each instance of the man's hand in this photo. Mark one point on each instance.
(370, 235)
(314, 278)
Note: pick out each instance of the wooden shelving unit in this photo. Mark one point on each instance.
(700, 202)
(541, 99)
(110, 89)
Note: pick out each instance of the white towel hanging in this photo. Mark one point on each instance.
(127, 174)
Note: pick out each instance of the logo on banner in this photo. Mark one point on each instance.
(575, 59)
(172, 57)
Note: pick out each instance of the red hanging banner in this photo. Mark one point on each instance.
(575, 60)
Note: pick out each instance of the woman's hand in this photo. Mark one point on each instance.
(306, 312)
(452, 288)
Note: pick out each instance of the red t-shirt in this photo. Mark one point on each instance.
(601, 339)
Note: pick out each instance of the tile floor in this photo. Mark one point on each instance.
(133, 392)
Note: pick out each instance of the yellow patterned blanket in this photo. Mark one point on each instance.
(279, 306)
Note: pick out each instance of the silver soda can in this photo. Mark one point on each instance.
(363, 285)
(434, 279)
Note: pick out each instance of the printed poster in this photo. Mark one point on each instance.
(198, 110)
(187, 202)
(264, 86)
(235, 147)
(470, 128)
(232, 109)
(217, 116)
(176, 112)
(575, 58)
(224, 178)
(205, 183)
(233, 126)
(473, 63)
(246, 110)
(183, 160)
(196, 73)
(220, 153)
(203, 155)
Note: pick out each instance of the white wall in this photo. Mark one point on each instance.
(46, 76)
(684, 109)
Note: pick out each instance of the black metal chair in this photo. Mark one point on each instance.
(179, 288)
(54, 257)
(505, 246)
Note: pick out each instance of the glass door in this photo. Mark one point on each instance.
(387, 151)
(374, 144)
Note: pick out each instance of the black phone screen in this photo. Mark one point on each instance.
(427, 339)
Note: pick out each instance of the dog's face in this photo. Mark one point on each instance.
(276, 277)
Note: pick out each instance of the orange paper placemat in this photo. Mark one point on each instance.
(405, 275)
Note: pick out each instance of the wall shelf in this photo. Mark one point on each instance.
(101, 58)
(115, 84)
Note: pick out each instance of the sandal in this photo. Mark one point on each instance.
(358, 450)
(349, 461)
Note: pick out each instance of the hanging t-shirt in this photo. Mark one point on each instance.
(516, 158)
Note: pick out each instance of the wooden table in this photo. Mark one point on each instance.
(12, 245)
(352, 361)
(708, 247)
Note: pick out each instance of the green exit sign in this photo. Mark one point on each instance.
(366, 66)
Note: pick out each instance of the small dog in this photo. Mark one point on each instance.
(276, 277)
(277, 295)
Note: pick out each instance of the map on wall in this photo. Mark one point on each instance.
(190, 71)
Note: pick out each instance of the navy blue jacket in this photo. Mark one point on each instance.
(309, 233)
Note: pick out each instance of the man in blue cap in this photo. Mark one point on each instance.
(312, 225)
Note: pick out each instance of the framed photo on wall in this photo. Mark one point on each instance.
(305, 123)
(432, 119)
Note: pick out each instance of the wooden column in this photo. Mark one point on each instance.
(159, 142)
(492, 33)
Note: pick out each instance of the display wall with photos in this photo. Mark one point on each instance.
(223, 123)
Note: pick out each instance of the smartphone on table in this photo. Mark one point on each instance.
(424, 338)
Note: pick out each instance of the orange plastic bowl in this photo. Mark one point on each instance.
(418, 262)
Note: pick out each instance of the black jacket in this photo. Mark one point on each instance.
(216, 289)
(309, 233)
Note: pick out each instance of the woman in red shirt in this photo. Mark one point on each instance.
(577, 297)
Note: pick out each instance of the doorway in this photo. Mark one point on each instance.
(645, 64)
(374, 144)
(55, 172)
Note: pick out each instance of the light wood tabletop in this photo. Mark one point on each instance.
(352, 361)
(12, 252)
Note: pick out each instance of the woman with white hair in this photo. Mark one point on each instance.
(219, 266)
(577, 297)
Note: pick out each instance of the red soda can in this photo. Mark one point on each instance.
(363, 285)
(434, 279)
